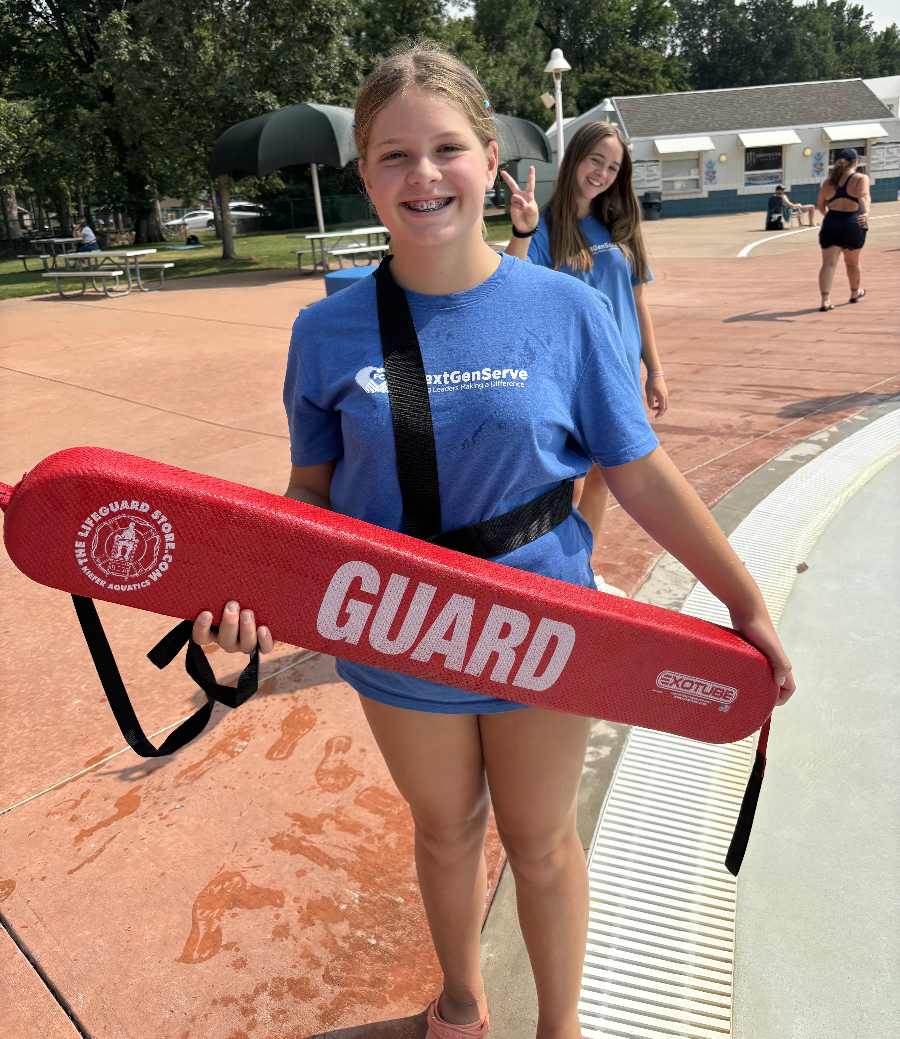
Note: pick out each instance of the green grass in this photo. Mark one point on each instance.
(267, 251)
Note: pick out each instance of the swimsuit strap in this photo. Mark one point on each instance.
(840, 191)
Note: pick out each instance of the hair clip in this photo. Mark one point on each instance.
(487, 103)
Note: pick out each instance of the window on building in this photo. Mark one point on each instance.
(838, 146)
(762, 166)
(681, 174)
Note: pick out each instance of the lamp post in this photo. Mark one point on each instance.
(608, 108)
(557, 65)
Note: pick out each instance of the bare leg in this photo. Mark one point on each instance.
(436, 762)
(830, 258)
(851, 264)
(593, 502)
(534, 760)
(811, 210)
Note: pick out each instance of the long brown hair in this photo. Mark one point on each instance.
(616, 208)
(837, 170)
(422, 65)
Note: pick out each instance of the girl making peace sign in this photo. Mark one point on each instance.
(591, 229)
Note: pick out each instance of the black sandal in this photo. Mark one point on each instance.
(858, 296)
(829, 307)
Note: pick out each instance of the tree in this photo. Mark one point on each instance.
(376, 27)
(18, 133)
(152, 83)
(726, 44)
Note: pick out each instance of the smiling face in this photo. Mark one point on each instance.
(599, 168)
(426, 170)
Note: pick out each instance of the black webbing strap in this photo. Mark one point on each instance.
(741, 836)
(417, 469)
(404, 372)
(163, 653)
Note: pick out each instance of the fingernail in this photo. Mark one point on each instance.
(205, 617)
(231, 607)
(263, 631)
(246, 616)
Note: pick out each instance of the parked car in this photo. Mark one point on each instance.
(246, 210)
(197, 219)
(194, 220)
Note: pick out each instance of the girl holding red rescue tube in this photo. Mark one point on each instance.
(565, 399)
(591, 230)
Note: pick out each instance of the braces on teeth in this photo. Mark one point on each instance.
(424, 207)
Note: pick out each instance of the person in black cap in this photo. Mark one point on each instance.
(844, 201)
(801, 209)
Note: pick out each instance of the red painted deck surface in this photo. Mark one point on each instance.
(260, 883)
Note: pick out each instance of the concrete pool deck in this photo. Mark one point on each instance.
(818, 899)
(261, 881)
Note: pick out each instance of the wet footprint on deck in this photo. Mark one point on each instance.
(334, 773)
(294, 726)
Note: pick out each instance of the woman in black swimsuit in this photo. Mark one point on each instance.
(845, 224)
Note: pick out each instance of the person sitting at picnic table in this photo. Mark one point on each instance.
(84, 231)
(786, 203)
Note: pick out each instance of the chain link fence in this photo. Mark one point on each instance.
(289, 214)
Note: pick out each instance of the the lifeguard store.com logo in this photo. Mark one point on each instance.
(124, 547)
(696, 690)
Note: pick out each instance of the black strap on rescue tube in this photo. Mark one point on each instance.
(417, 468)
(741, 836)
(163, 653)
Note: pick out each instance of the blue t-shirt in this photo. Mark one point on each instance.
(528, 385)
(611, 274)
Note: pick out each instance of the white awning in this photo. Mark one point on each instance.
(768, 138)
(672, 145)
(854, 131)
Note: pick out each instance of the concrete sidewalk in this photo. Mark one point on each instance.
(261, 881)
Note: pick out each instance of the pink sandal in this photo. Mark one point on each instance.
(438, 1028)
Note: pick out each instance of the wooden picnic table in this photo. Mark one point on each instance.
(321, 238)
(128, 258)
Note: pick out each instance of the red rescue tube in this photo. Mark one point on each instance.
(107, 525)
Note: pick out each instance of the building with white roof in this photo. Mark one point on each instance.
(723, 151)
(886, 89)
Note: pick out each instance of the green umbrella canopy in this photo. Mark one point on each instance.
(323, 134)
(295, 136)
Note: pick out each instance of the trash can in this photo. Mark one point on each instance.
(651, 204)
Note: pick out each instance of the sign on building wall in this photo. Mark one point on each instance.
(710, 172)
(885, 157)
(818, 164)
(762, 166)
(645, 175)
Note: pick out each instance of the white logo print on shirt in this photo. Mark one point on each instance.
(373, 379)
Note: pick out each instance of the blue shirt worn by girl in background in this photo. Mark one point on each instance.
(611, 274)
(528, 384)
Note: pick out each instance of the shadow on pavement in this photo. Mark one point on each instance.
(137, 770)
(771, 315)
(826, 404)
(400, 1028)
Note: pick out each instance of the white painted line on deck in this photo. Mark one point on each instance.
(746, 250)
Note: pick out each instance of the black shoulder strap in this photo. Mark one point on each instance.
(163, 653)
(404, 372)
(417, 469)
